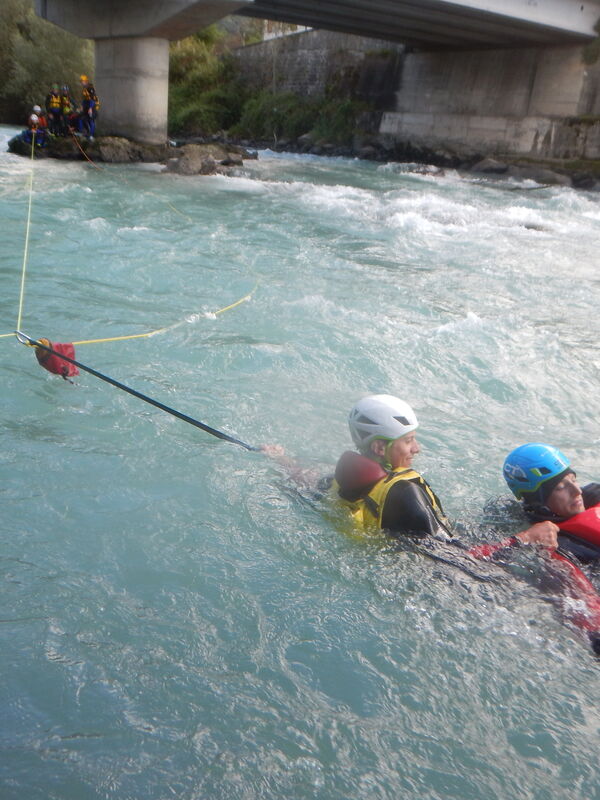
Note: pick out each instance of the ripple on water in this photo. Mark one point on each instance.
(179, 620)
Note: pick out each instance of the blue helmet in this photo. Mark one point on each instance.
(533, 470)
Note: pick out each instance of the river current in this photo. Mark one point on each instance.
(177, 620)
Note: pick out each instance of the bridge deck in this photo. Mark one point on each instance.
(442, 23)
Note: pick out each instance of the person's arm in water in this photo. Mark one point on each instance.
(542, 533)
(307, 478)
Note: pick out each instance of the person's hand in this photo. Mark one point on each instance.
(273, 450)
(544, 533)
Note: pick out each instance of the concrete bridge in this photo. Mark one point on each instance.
(132, 36)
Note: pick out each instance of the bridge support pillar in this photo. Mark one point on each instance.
(134, 73)
(132, 54)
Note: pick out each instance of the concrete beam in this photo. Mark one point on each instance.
(414, 28)
(573, 16)
(166, 19)
(443, 23)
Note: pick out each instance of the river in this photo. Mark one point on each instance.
(177, 621)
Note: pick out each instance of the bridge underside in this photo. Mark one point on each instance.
(439, 24)
(132, 52)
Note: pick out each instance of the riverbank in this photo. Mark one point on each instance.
(580, 174)
(218, 154)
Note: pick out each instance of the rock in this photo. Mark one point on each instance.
(328, 149)
(192, 159)
(114, 149)
(583, 180)
(305, 142)
(202, 159)
(490, 166)
(17, 146)
(209, 166)
(232, 160)
(538, 174)
(368, 152)
(241, 151)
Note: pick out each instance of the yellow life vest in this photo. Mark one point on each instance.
(89, 95)
(53, 100)
(368, 509)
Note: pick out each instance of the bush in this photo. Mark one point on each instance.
(33, 55)
(204, 95)
(269, 116)
(336, 122)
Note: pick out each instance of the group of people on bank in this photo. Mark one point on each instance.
(62, 115)
(379, 488)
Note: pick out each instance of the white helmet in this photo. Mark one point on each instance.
(37, 110)
(380, 416)
(34, 119)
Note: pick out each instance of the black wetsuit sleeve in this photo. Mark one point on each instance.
(591, 494)
(407, 510)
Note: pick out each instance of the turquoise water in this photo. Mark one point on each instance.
(176, 620)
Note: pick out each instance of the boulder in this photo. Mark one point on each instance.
(538, 174)
(305, 142)
(367, 152)
(203, 159)
(583, 180)
(490, 166)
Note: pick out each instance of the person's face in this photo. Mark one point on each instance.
(400, 452)
(565, 499)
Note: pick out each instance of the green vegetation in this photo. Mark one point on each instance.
(34, 54)
(204, 95)
(268, 116)
(271, 117)
(583, 119)
(591, 51)
(337, 120)
(207, 96)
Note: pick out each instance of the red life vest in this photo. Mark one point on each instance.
(53, 363)
(585, 525)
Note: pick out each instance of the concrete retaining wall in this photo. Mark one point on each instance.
(494, 102)
(308, 63)
(497, 102)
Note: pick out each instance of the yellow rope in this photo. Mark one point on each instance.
(120, 338)
(237, 302)
(112, 338)
(168, 327)
(27, 229)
